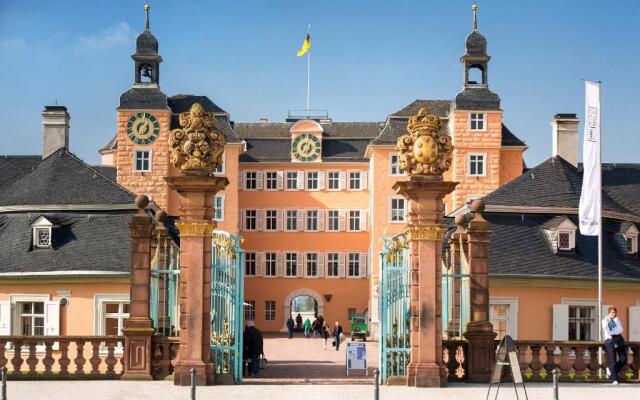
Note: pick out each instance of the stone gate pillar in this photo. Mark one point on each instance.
(460, 235)
(479, 332)
(195, 148)
(425, 154)
(138, 328)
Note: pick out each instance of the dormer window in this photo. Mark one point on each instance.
(630, 234)
(42, 228)
(561, 233)
(564, 240)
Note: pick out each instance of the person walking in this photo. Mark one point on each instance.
(290, 324)
(337, 334)
(298, 321)
(614, 343)
(315, 328)
(253, 346)
(307, 328)
(324, 331)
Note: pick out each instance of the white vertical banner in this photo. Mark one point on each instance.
(590, 198)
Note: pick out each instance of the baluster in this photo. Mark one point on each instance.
(522, 358)
(111, 360)
(32, 360)
(635, 361)
(593, 365)
(80, 360)
(565, 363)
(3, 355)
(579, 365)
(64, 360)
(95, 360)
(550, 362)
(48, 356)
(16, 361)
(536, 364)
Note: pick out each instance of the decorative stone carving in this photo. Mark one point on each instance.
(424, 151)
(195, 229)
(196, 146)
(430, 232)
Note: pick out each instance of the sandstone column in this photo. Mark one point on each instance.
(138, 328)
(479, 332)
(425, 231)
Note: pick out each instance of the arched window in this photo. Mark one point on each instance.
(146, 73)
(475, 75)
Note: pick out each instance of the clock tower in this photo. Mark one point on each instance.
(144, 120)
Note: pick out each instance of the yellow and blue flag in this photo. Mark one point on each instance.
(306, 45)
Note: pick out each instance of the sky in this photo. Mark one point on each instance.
(368, 60)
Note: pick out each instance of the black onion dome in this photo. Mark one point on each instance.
(476, 44)
(146, 44)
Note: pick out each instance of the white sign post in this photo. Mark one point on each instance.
(357, 356)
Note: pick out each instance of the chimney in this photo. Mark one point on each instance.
(565, 137)
(55, 129)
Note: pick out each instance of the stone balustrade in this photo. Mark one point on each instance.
(164, 351)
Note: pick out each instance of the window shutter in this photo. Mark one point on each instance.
(341, 220)
(5, 318)
(560, 322)
(241, 179)
(343, 180)
(320, 180)
(301, 220)
(242, 220)
(279, 264)
(300, 265)
(364, 180)
(341, 268)
(52, 320)
(320, 265)
(320, 220)
(300, 180)
(634, 324)
(363, 265)
(260, 264)
(280, 220)
(259, 180)
(279, 180)
(259, 219)
(363, 220)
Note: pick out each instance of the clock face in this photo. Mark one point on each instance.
(306, 147)
(143, 128)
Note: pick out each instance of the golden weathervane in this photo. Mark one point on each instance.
(424, 151)
(196, 146)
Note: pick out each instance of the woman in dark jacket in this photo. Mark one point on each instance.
(337, 331)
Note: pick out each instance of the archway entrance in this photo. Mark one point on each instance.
(305, 299)
(303, 307)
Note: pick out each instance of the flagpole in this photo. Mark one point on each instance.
(308, 72)
(600, 220)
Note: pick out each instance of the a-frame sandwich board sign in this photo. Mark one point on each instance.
(507, 355)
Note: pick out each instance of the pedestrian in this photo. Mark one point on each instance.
(614, 344)
(290, 324)
(325, 334)
(299, 322)
(307, 328)
(253, 346)
(314, 328)
(337, 334)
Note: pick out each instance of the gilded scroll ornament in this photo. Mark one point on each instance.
(431, 232)
(195, 229)
(196, 146)
(424, 151)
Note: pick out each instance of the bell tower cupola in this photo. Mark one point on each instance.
(146, 58)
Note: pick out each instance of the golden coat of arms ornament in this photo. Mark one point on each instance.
(424, 151)
(196, 146)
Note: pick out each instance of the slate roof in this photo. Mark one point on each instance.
(279, 150)
(149, 98)
(13, 167)
(60, 179)
(440, 108)
(556, 183)
(476, 98)
(509, 139)
(108, 171)
(82, 242)
(331, 129)
(112, 144)
(518, 248)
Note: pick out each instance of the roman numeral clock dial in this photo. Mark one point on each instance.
(143, 128)
(306, 147)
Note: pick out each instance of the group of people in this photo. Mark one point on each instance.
(317, 328)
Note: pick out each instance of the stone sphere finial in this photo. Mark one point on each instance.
(142, 201)
(477, 206)
(161, 216)
(460, 219)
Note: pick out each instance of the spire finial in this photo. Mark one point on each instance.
(475, 15)
(146, 8)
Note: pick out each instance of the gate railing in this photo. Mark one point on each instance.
(227, 299)
(394, 284)
(165, 281)
(455, 295)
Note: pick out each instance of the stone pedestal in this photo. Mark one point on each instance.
(138, 328)
(479, 332)
(425, 230)
(196, 193)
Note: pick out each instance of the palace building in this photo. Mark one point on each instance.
(312, 197)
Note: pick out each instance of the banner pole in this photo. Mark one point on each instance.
(600, 228)
(308, 73)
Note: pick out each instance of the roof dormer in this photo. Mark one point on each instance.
(42, 233)
(560, 232)
(629, 232)
(306, 141)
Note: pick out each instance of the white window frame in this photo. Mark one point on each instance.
(328, 185)
(245, 220)
(220, 170)
(36, 239)
(270, 314)
(584, 303)
(99, 301)
(246, 263)
(337, 261)
(634, 242)
(246, 180)
(404, 210)
(307, 260)
(352, 179)
(295, 264)
(266, 264)
(328, 226)
(396, 165)
(307, 219)
(348, 265)
(512, 313)
(476, 120)
(572, 239)
(484, 164)
(286, 220)
(286, 181)
(266, 220)
(250, 310)
(218, 210)
(135, 160)
(307, 179)
(358, 219)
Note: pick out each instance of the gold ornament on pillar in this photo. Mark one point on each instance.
(424, 151)
(196, 146)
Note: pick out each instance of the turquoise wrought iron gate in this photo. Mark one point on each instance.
(455, 295)
(165, 280)
(395, 346)
(227, 299)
